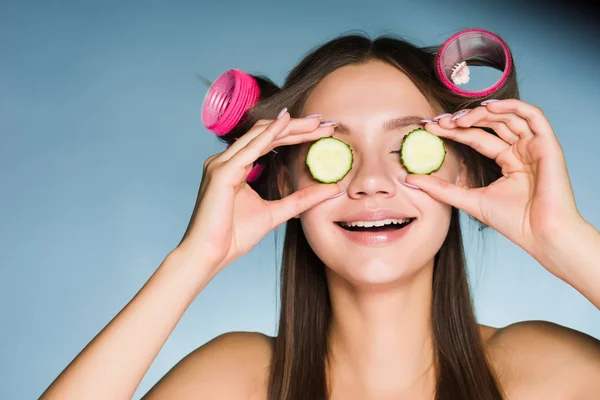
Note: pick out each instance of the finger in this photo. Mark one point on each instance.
(242, 141)
(301, 200)
(258, 146)
(295, 126)
(500, 129)
(441, 190)
(447, 122)
(252, 147)
(303, 137)
(534, 116)
(480, 115)
(483, 142)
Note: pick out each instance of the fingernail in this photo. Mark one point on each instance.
(428, 121)
(313, 116)
(328, 123)
(282, 113)
(409, 185)
(459, 114)
(441, 116)
(483, 103)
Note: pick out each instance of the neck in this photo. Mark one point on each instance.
(380, 340)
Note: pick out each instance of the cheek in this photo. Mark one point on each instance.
(450, 168)
(302, 179)
(319, 231)
(436, 219)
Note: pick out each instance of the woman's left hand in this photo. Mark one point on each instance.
(532, 204)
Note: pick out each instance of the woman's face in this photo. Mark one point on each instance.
(362, 98)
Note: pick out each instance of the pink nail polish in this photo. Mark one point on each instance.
(436, 118)
(409, 185)
(328, 123)
(484, 103)
(428, 121)
(459, 114)
(313, 116)
(282, 113)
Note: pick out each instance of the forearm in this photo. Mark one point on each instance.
(577, 255)
(113, 364)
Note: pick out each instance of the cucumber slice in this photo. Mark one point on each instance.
(422, 152)
(329, 159)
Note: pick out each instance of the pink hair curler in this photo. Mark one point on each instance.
(227, 99)
(452, 58)
(255, 173)
(225, 103)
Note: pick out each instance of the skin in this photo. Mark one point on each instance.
(376, 293)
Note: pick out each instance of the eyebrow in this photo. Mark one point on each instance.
(389, 125)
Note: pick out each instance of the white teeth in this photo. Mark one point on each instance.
(369, 224)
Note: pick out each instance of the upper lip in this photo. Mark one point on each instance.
(374, 215)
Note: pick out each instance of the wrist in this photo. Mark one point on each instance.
(196, 270)
(572, 253)
(193, 253)
(565, 239)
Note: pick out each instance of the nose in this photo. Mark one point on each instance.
(371, 178)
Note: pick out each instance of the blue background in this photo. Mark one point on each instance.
(102, 149)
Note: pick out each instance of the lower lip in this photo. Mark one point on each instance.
(381, 238)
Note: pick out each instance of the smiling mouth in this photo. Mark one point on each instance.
(376, 226)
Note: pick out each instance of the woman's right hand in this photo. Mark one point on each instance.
(229, 217)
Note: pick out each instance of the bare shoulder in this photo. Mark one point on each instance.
(234, 365)
(540, 359)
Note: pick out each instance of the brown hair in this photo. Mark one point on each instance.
(298, 368)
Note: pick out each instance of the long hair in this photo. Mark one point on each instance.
(298, 365)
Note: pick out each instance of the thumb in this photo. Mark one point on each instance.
(446, 192)
(301, 200)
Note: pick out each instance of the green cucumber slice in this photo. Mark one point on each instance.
(422, 152)
(329, 159)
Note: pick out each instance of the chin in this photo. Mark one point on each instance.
(377, 273)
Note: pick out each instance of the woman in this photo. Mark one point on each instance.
(366, 313)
